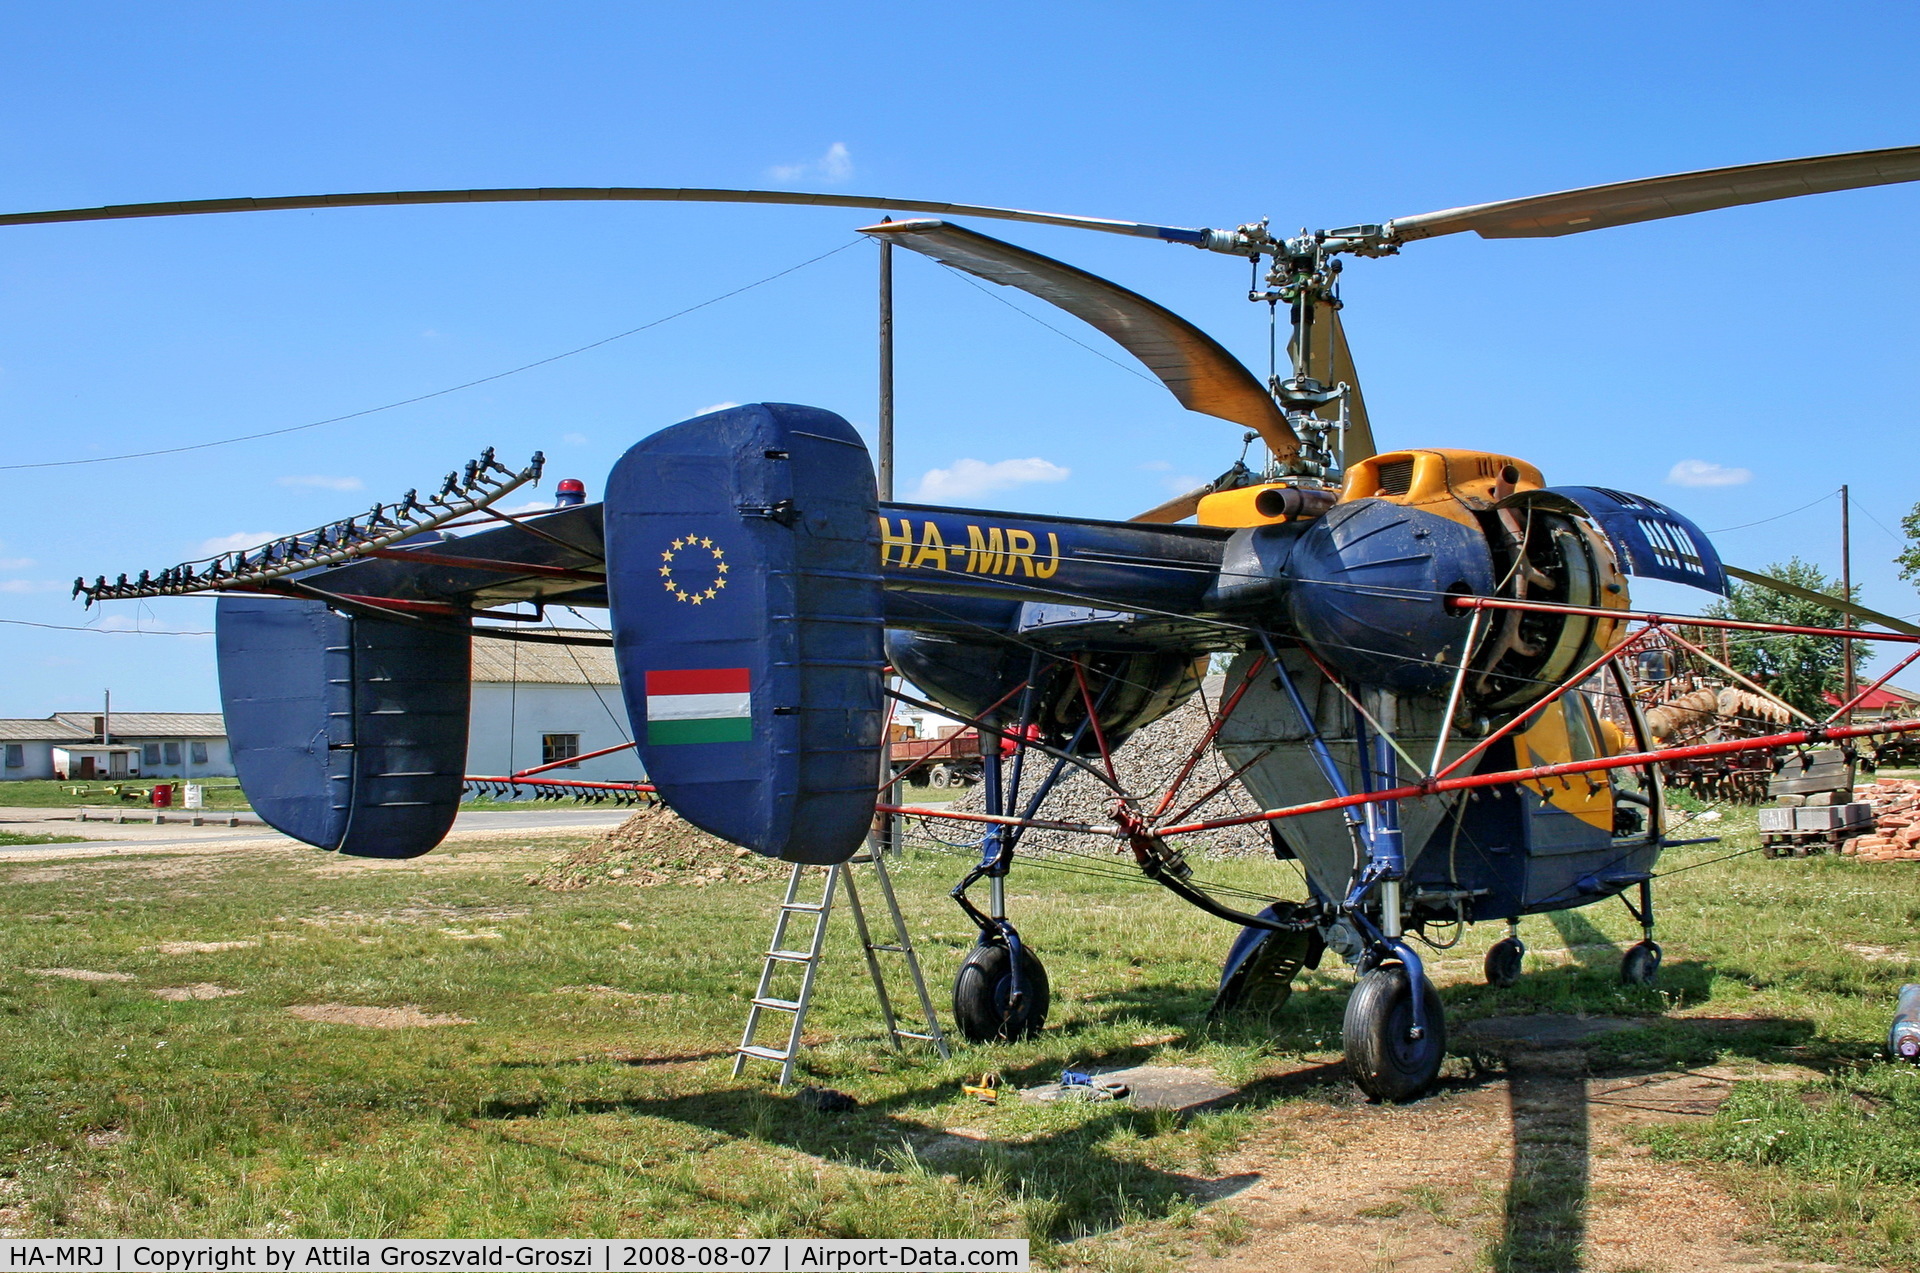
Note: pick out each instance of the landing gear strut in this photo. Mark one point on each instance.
(1640, 966)
(1000, 992)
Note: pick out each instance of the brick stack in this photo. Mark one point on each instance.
(1896, 818)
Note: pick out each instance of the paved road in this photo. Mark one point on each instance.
(172, 834)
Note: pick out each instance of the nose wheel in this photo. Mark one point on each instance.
(1640, 966)
(1504, 959)
(1388, 1057)
(990, 1004)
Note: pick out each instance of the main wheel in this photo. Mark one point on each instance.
(1383, 1057)
(940, 776)
(1503, 962)
(1640, 966)
(983, 987)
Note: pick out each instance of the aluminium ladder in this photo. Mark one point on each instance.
(780, 953)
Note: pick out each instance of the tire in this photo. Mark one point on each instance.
(1640, 966)
(940, 776)
(980, 991)
(1381, 1059)
(1503, 963)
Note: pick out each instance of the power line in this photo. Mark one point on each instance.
(437, 393)
(68, 627)
(1777, 516)
(1131, 371)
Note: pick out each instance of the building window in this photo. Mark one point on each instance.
(173, 753)
(198, 750)
(150, 753)
(557, 747)
(16, 756)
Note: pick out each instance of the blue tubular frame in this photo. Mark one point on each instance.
(1379, 832)
(1322, 755)
(999, 841)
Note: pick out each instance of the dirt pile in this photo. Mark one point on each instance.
(655, 847)
(1896, 819)
(1144, 766)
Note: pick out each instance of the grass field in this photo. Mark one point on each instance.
(185, 1050)
(220, 793)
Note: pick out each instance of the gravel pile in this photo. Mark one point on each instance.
(655, 847)
(1144, 765)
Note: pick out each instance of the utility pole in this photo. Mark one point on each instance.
(1846, 590)
(887, 839)
(886, 369)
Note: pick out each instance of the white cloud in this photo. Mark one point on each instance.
(1702, 473)
(235, 542)
(16, 563)
(32, 585)
(835, 165)
(321, 482)
(1181, 483)
(574, 439)
(1155, 466)
(718, 406)
(970, 478)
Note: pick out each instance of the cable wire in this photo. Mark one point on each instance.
(437, 393)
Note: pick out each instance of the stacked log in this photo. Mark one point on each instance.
(1896, 823)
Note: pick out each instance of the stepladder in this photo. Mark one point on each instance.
(794, 951)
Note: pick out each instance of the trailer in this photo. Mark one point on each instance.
(951, 760)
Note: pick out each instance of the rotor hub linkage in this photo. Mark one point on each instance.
(469, 490)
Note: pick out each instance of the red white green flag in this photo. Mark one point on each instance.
(699, 705)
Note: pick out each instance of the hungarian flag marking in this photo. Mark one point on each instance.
(700, 705)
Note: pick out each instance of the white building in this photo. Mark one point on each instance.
(532, 703)
(151, 746)
(535, 703)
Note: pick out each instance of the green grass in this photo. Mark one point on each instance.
(1835, 1163)
(594, 1094)
(9, 840)
(220, 793)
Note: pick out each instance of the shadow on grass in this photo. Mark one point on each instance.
(1089, 1188)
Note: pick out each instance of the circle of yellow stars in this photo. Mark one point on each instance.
(688, 544)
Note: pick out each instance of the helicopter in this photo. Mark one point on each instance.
(1425, 692)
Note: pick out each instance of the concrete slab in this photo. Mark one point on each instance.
(1148, 1087)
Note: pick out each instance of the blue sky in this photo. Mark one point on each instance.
(1771, 344)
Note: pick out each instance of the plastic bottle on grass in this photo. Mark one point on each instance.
(1903, 1041)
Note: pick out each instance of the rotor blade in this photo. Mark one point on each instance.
(1625, 202)
(596, 194)
(1359, 445)
(1193, 365)
(1853, 608)
(1177, 509)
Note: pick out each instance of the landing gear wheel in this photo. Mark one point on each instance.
(983, 986)
(1640, 966)
(1503, 962)
(1382, 1058)
(940, 776)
